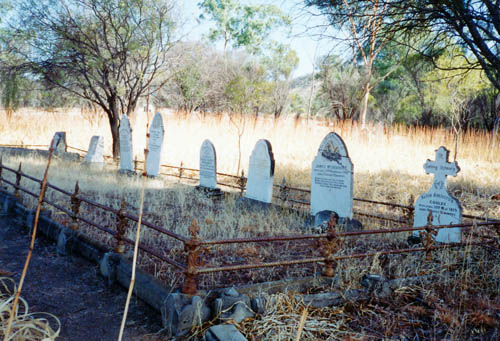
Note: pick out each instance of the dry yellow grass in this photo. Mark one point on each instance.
(388, 166)
(26, 326)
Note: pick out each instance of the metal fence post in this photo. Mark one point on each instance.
(409, 211)
(75, 207)
(181, 171)
(121, 228)
(284, 191)
(330, 247)
(18, 182)
(242, 182)
(428, 237)
(1, 168)
(193, 248)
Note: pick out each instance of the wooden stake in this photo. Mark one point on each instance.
(32, 244)
(138, 234)
(301, 324)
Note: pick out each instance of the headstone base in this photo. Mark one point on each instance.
(214, 193)
(127, 172)
(93, 165)
(321, 219)
(251, 204)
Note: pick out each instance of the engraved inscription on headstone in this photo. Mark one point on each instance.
(261, 173)
(445, 208)
(59, 143)
(155, 145)
(208, 165)
(126, 151)
(95, 153)
(331, 178)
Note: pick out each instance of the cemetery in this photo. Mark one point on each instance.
(320, 243)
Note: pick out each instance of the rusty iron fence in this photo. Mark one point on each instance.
(329, 243)
(284, 194)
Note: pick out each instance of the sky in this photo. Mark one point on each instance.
(307, 47)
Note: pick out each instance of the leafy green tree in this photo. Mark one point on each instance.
(340, 91)
(109, 52)
(248, 91)
(280, 64)
(361, 26)
(239, 25)
(472, 24)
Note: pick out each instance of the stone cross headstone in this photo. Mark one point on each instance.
(261, 173)
(445, 208)
(331, 178)
(95, 153)
(155, 144)
(208, 165)
(126, 151)
(59, 143)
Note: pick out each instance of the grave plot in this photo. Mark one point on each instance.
(226, 245)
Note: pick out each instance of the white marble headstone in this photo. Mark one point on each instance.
(155, 145)
(208, 165)
(445, 208)
(261, 173)
(331, 178)
(126, 151)
(95, 153)
(59, 141)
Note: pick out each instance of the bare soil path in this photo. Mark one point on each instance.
(70, 288)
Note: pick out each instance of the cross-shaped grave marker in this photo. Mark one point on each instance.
(441, 168)
(445, 208)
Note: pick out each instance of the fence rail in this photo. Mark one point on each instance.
(330, 242)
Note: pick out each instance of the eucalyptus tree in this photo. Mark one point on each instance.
(472, 24)
(109, 52)
(239, 25)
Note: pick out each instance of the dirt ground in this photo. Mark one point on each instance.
(70, 288)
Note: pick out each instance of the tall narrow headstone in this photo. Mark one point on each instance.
(261, 173)
(155, 144)
(95, 153)
(445, 208)
(208, 165)
(59, 142)
(126, 151)
(331, 178)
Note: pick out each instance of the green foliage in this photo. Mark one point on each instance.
(340, 90)
(241, 25)
(249, 92)
(190, 84)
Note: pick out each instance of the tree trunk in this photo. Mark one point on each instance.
(114, 123)
(364, 106)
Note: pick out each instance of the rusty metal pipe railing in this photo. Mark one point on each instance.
(157, 228)
(96, 204)
(324, 259)
(411, 208)
(340, 234)
(149, 250)
(372, 215)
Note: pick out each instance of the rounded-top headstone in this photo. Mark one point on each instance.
(261, 173)
(155, 144)
(126, 150)
(332, 178)
(208, 165)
